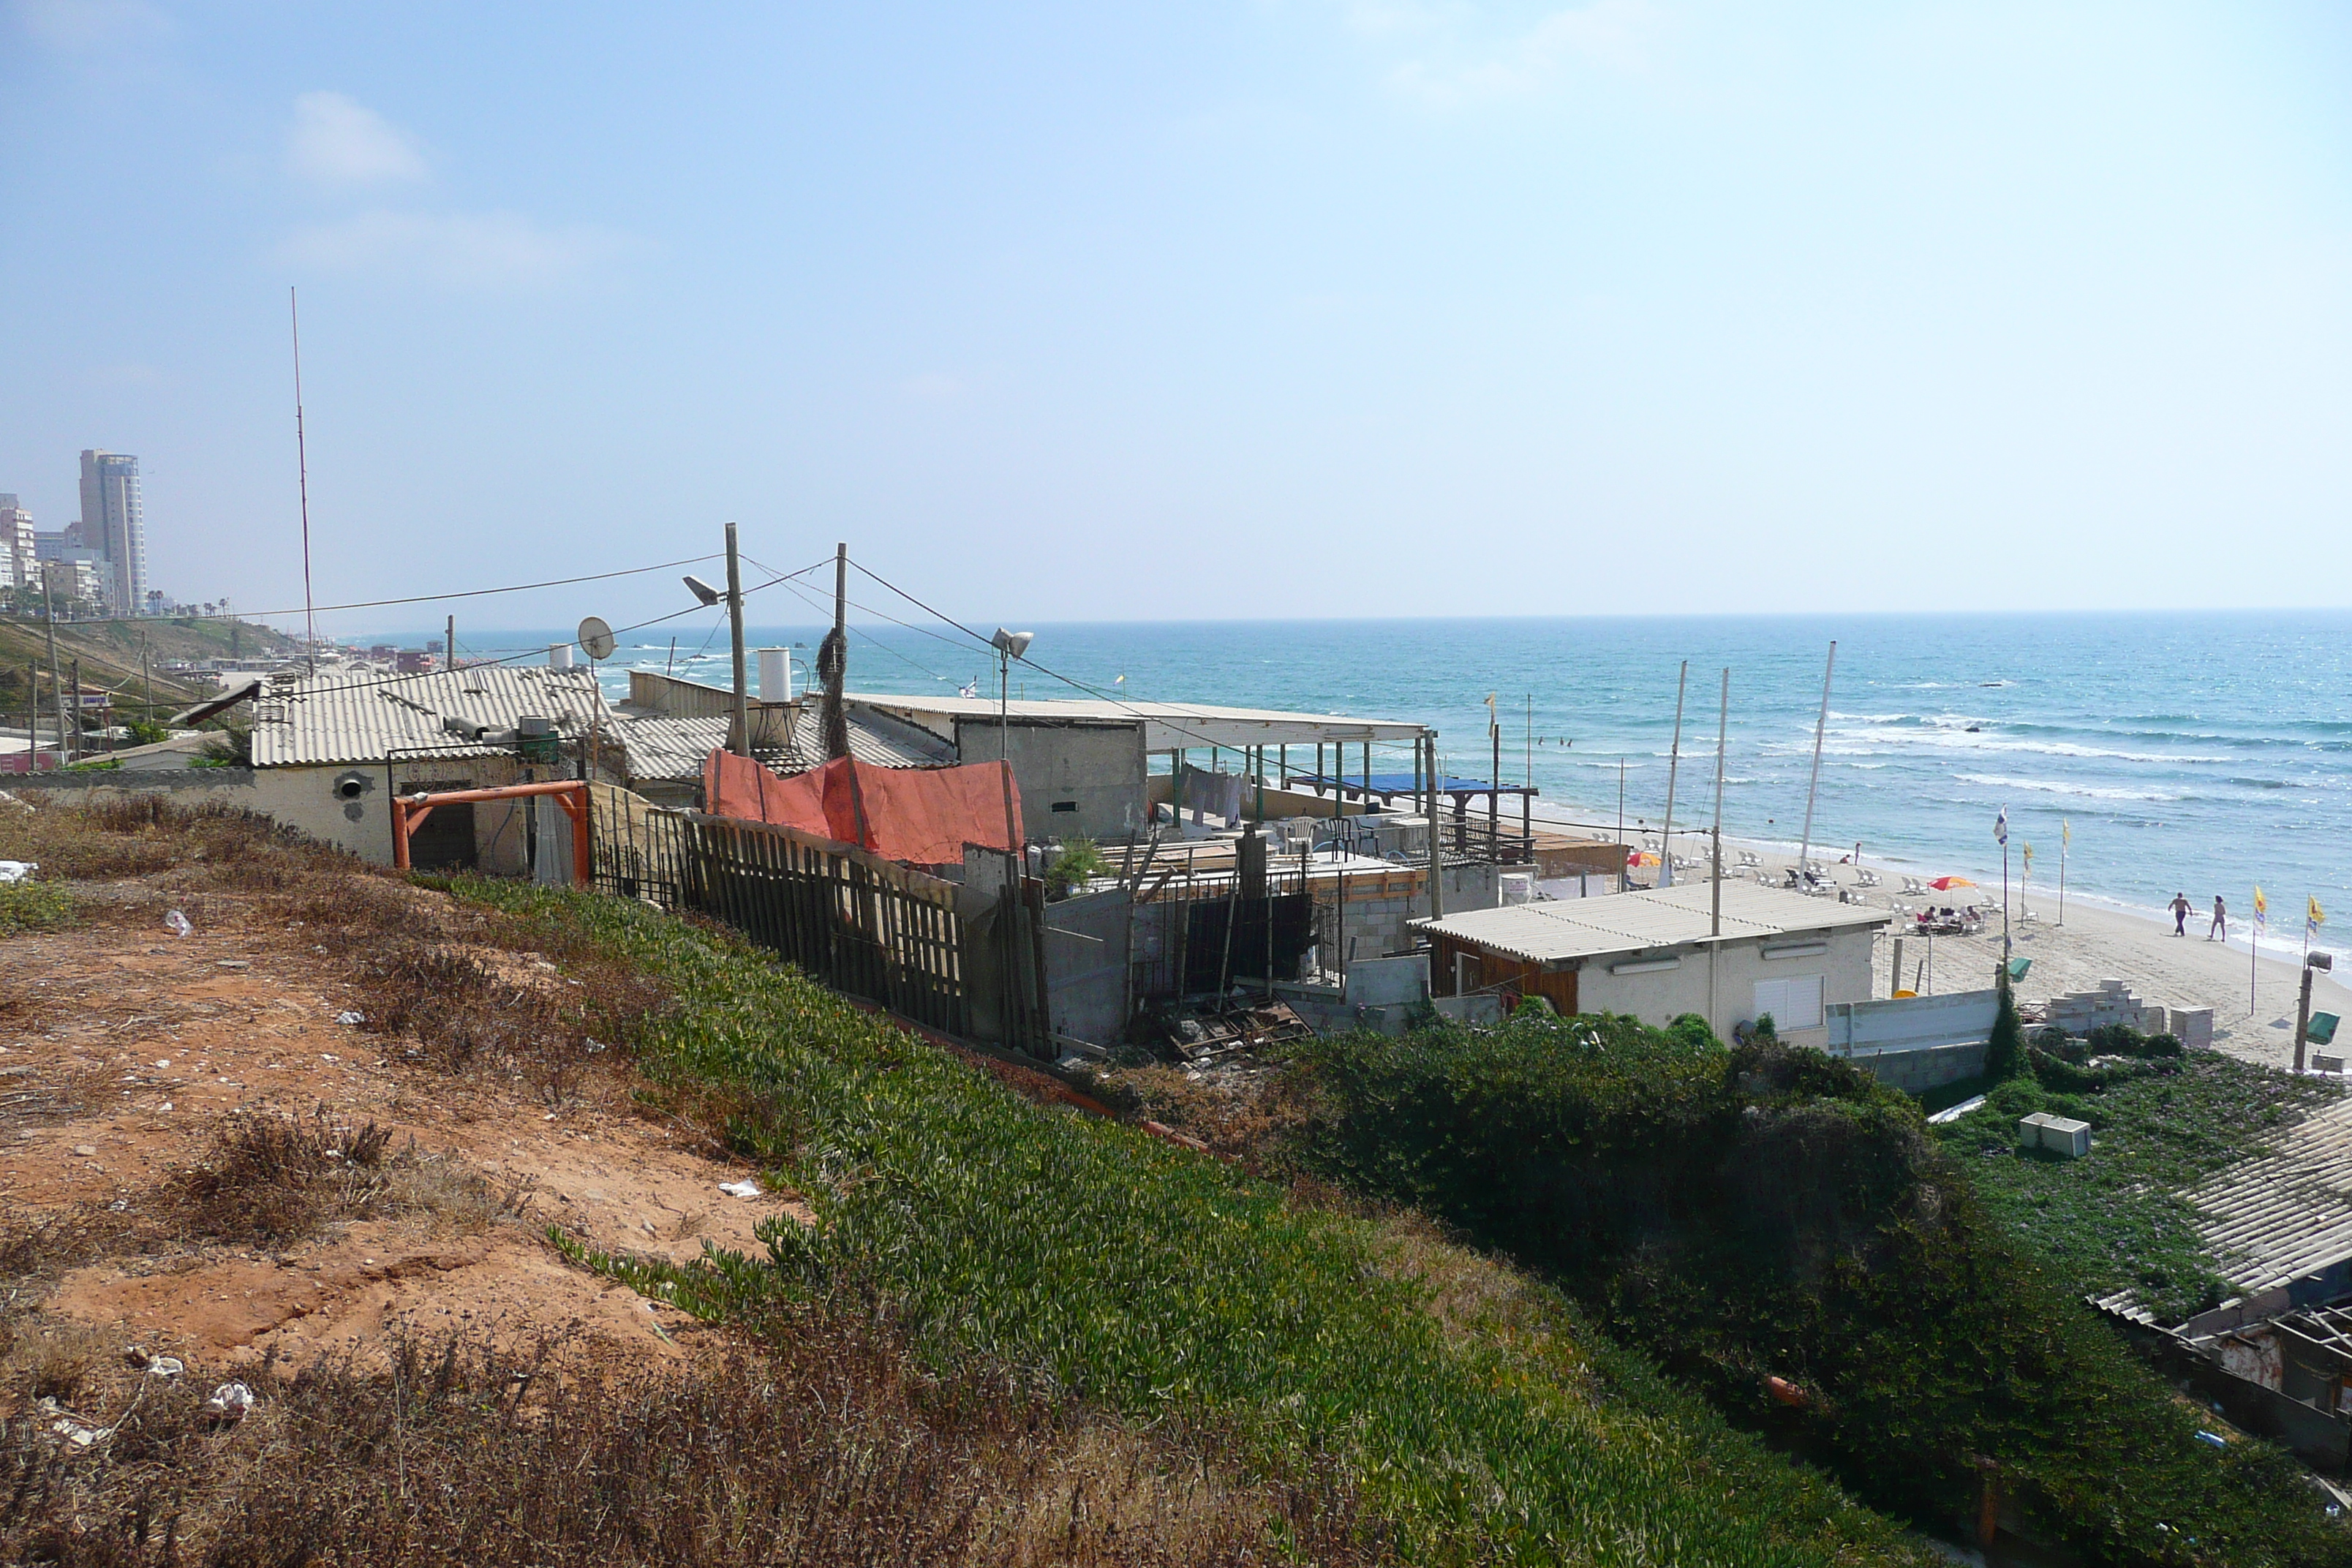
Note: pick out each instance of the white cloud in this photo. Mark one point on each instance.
(469, 250)
(88, 24)
(1607, 33)
(339, 141)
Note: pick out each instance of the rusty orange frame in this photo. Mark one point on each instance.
(407, 811)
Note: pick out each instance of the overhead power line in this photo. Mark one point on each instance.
(415, 599)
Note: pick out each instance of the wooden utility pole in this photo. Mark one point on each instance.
(146, 677)
(449, 644)
(1715, 869)
(75, 675)
(1674, 768)
(1436, 860)
(738, 737)
(833, 664)
(56, 687)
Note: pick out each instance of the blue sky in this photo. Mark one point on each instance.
(1275, 308)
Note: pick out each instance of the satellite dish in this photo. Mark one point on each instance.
(596, 638)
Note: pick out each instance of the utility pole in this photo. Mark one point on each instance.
(1436, 860)
(1674, 768)
(56, 687)
(738, 738)
(1715, 895)
(2311, 960)
(146, 677)
(449, 644)
(832, 663)
(74, 668)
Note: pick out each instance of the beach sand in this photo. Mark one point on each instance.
(2099, 942)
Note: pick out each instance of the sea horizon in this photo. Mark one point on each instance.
(2189, 751)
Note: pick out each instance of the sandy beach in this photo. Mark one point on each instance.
(2100, 940)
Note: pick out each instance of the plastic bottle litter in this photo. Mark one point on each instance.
(17, 870)
(747, 1188)
(166, 1366)
(2214, 1438)
(229, 1402)
(177, 924)
(350, 1019)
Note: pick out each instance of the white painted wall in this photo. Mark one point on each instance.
(1661, 996)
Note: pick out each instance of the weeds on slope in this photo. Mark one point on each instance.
(1097, 1263)
(821, 1450)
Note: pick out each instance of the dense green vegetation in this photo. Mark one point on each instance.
(1480, 1419)
(2161, 1122)
(1759, 1213)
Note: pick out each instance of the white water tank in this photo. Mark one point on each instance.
(559, 655)
(775, 675)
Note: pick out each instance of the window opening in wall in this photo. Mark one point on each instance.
(1794, 1003)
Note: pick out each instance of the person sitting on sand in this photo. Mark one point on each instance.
(2220, 921)
(2179, 907)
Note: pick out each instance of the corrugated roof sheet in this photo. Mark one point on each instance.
(1166, 725)
(661, 747)
(2287, 1212)
(363, 718)
(1563, 929)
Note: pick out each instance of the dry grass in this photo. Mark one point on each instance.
(824, 1451)
(274, 1179)
(420, 965)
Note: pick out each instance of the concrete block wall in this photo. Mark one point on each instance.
(1926, 1068)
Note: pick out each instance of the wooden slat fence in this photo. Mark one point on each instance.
(859, 923)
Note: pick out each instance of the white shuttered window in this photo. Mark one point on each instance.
(1794, 1003)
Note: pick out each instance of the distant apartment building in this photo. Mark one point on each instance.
(78, 575)
(114, 524)
(18, 558)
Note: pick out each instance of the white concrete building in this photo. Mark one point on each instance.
(1657, 956)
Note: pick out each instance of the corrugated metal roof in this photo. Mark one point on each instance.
(1166, 725)
(363, 718)
(2287, 1212)
(1563, 929)
(661, 747)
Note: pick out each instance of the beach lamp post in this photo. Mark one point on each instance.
(1009, 645)
(2311, 960)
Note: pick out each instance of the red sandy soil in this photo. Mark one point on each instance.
(117, 1072)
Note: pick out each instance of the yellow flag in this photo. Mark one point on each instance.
(2317, 918)
(2066, 831)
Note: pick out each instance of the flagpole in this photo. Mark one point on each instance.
(1674, 767)
(2065, 837)
(1805, 843)
(2255, 956)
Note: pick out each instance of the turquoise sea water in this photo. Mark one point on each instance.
(2200, 752)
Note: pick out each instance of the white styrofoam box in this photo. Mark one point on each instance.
(2064, 1136)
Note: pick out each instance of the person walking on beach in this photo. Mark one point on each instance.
(2220, 921)
(2179, 907)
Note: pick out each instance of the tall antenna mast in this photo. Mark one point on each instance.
(302, 479)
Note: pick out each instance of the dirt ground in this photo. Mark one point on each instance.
(122, 1059)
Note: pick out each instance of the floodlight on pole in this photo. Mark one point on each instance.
(1011, 645)
(702, 590)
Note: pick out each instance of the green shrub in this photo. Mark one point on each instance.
(31, 906)
(1766, 1211)
(2005, 1051)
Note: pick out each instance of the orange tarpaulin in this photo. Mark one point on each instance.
(923, 816)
